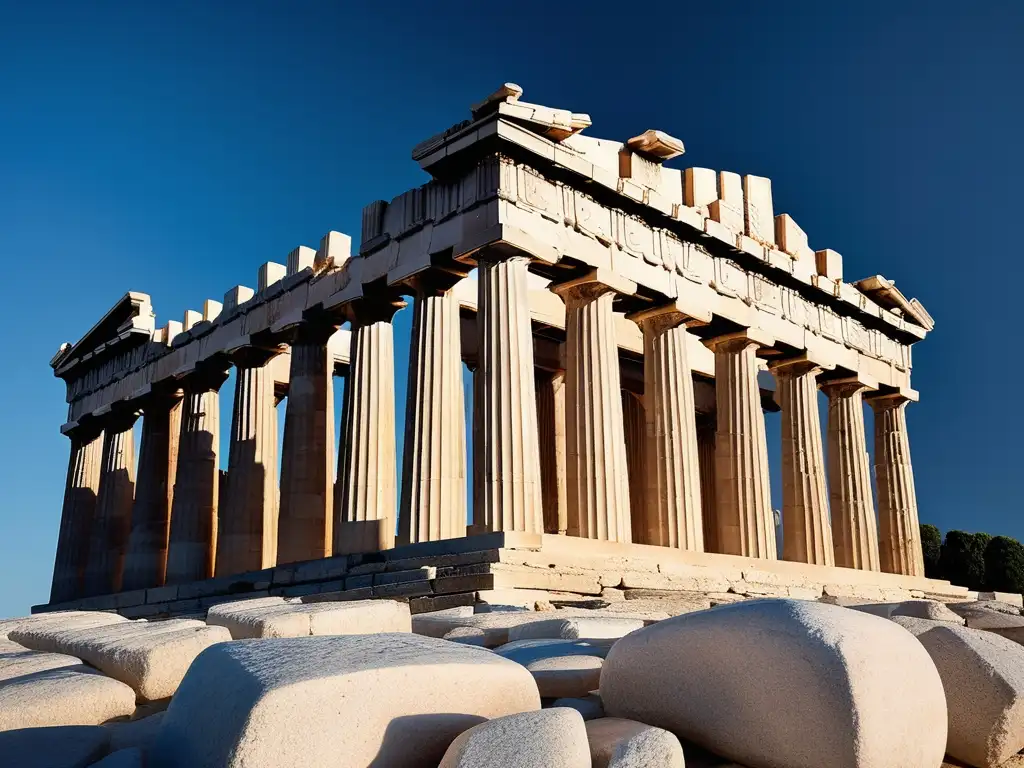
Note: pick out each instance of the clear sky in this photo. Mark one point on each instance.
(172, 148)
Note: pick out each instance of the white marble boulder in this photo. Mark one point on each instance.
(549, 738)
(618, 743)
(561, 668)
(66, 619)
(339, 702)
(151, 657)
(977, 616)
(932, 610)
(983, 676)
(576, 628)
(290, 619)
(77, 695)
(791, 683)
(71, 746)
(18, 661)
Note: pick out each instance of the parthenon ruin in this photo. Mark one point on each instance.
(621, 327)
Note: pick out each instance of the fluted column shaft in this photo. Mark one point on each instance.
(511, 492)
(77, 516)
(854, 530)
(706, 462)
(247, 517)
(146, 562)
(192, 546)
(305, 524)
(551, 432)
(806, 528)
(108, 539)
(634, 426)
(746, 524)
(434, 457)
(673, 507)
(899, 532)
(598, 478)
(367, 483)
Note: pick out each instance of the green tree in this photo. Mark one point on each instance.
(931, 543)
(1004, 565)
(963, 558)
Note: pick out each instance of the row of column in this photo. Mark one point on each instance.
(115, 535)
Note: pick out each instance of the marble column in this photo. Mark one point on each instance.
(806, 528)
(634, 425)
(746, 524)
(706, 428)
(551, 432)
(77, 514)
(305, 525)
(598, 479)
(146, 563)
(247, 514)
(673, 506)
(367, 490)
(509, 446)
(854, 530)
(433, 503)
(899, 531)
(192, 545)
(108, 538)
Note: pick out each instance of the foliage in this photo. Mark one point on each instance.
(931, 543)
(1004, 565)
(963, 559)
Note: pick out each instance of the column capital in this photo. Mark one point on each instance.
(434, 281)
(374, 309)
(892, 399)
(493, 255)
(120, 417)
(849, 385)
(253, 356)
(799, 365)
(671, 315)
(594, 283)
(207, 378)
(739, 340)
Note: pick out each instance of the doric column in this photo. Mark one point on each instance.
(551, 432)
(146, 563)
(511, 492)
(108, 538)
(367, 491)
(434, 458)
(305, 525)
(899, 532)
(634, 427)
(247, 516)
(854, 531)
(806, 528)
(77, 514)
(598, 478)
(673, 507)
(746, 524)
(192, 546)
(706, 427)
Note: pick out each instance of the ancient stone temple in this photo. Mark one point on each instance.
(626, 326)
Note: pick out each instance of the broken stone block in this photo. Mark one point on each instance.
(561, 668)
(1011, 598)
(864, 687)
(791, 238)
(983, 676)
(67, 619)
(581, 628)
(135, 734)
(932, 610)
(18, 663)
(68, 746)
(287, 619)
(700, 187)
(66, 696)
(344, 701)
(978, 617)
(618, 743)
(151, 657)
(829, 263)
(544, 739)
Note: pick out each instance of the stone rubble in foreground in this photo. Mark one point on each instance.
(667, 683)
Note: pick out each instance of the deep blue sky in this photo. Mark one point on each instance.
(172, 148)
